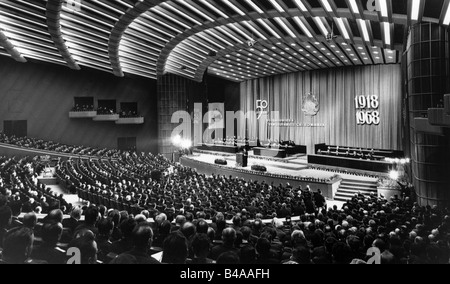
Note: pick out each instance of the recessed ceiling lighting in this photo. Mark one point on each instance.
(365, 58)
(375, 52)
(344, 43)
(390, 57)
(377, 57)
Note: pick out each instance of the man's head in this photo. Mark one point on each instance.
(51, 232)
(76, 213)
(175, 248)
(85, 241)
(91, 215)
(201, 245)
(30, 220)
(16, 208)
(142, 237)
(229, 236)
(188, 229)
(105, 227)
(55, 215)
(17, 245)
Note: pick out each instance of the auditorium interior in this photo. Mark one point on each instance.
(225, 132)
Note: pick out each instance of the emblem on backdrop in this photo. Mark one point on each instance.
(310, 105)
(261, 108)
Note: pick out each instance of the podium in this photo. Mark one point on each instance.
(241, 160)
(176, 157)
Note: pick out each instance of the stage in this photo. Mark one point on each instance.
(294, 170)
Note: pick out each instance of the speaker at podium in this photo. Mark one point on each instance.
(241, 160)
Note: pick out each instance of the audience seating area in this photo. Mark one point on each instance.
(32, 143)
(140, 205)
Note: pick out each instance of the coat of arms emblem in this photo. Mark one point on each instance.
(310, 105)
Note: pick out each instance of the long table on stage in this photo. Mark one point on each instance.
(351, 163)
(269, 152)
(219, 148)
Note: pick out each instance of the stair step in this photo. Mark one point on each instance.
(355, 191)
(347, 194)
(359, 187)
(359, 183)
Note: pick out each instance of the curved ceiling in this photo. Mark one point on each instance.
(233, 39)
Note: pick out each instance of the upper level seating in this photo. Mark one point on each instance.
(33, 143)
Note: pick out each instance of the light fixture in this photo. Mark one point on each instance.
(234, 7)
(301, 5)
(394, 175)
(302, 26)
(344, 31)
(277, 6)
(364, 29)
(254, 6)
(415, 10)
(354, 6)
(285, 27)
(387, 33)
(326, 5)
(261, 21)
(447, 17)
(383, 8)
(322, 27)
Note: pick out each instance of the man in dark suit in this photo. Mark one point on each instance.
(142, 237)
(91, 216)
(49, 250)
(72, 223)
(16, 209)
(18, 244)
(5, 222)
(228, 238)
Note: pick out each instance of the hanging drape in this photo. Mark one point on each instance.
(335, 90)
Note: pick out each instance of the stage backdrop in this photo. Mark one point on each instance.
(333, 98)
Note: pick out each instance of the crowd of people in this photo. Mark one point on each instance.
(83, 107)
(142, 208)
(402, 232)
(33, 143)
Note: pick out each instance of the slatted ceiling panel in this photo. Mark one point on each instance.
(87, 29)
(24, 24)
(177, 36)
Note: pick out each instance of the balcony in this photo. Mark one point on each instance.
(106, 117)
(438, 117)
(130, 120)
(422, 124)
(82, 114)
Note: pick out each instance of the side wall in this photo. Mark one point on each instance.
(44, 94)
